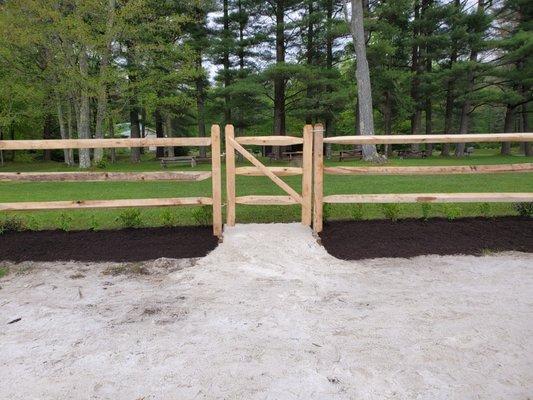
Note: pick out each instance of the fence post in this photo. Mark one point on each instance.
(216, 180)
(307, 176)
(230, 176)
(318, 169)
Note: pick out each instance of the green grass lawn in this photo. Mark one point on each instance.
(83, 219)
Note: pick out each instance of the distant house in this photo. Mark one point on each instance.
(123, 130)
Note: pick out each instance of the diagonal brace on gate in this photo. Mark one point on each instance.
(265, 170)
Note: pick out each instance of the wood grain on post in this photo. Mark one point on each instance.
(246, 154)
(230, 176)
(430, 198)
(307, 178)
(430, 170)
(318, 169)
(266, 200)
(269, 140)
(83, 204)
(216, 180)
(101, 143)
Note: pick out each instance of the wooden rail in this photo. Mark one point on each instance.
(259, 169)
(54, 144)
(319, 170)
(403, 139)
(185, 176)
(429, 198)
(430, 170)
(215, 201)
(122, 203)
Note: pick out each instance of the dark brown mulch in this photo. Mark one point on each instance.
(126, 245)
(355, 240)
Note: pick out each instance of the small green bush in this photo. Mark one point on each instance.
(12, 223)
(391, 211)
(93, 223)
(426, 210)
(130, 218)
(203, 215)
(168, 219)
(102, 164)
(485, 210)
(4, 271)
(524, 209)
(452, 212)
(33, 223)
(357, 212)
(65, 222)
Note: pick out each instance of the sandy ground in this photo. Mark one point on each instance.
(270, 315)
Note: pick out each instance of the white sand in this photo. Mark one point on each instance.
(270, 315)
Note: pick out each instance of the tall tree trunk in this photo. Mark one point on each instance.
(310, 56)
(84, 110)
(1, 151)
(159, 151)
(67, 153)
(226, 63)
(528, 148)
(47, 134)
(112, 135)
(134, 109)
(135, 131)
(416, 116)
(12, 137)
(167, 129)
(362, 75)
(329, 119)
(279, 80)
(387, 120)
(508, 127)
(466, 108)
(200, 101)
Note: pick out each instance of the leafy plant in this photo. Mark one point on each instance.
(426, 210)
(93, 223)
(102, 164)
(168, 219)
(524, 209)
(357, 212)
(130, 218)
(12, 223)
(3, 271)
(203, 215)
(452, 212)
(485, 210)
(33, 224)
(391, 211)
(65, 222)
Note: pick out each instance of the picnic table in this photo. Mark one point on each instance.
(350, 154)
(166, 161)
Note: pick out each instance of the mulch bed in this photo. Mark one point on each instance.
(126, 245)
(355, 240)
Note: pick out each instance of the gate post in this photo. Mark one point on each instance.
(318, 169)
(307, 176)
(230, 176)
(216, 180)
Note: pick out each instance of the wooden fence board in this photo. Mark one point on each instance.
(400, 139)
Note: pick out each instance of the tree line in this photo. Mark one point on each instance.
(71, 68)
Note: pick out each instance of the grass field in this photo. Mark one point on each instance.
(99, 219)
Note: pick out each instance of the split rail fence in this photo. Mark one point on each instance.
(319, 170)
(215, 174)
(292, 197)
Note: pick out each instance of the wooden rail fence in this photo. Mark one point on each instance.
(292, 197)
(319, 170)
(215, 174)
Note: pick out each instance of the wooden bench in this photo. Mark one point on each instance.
(412, 154)
(166, 161)
(350, 155)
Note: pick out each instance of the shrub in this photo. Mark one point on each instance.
(130, 218)
(93, 223)
(168, 219)
(33, 223)
(524, 209)
(426, 210)
(12, 223)
(102, 164)
(452, 212)
(65, 222)
(357, 212)
(203, 215)
(485, 210)
(391, 211)
(3, 271)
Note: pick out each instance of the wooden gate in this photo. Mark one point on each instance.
(292, 197)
